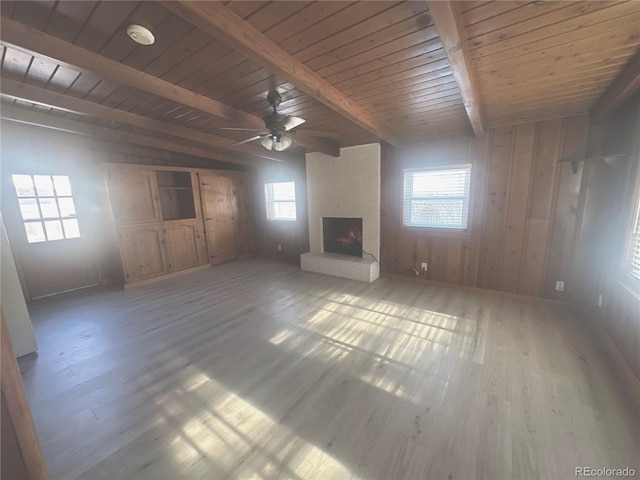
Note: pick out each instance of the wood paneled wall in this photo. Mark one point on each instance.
(293, 237)
(608, 193)
(522, 211)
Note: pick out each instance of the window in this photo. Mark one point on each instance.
(46, 206)
(281, 200)
(634, 245)
(437, 198)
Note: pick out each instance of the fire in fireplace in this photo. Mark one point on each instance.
(342, 235)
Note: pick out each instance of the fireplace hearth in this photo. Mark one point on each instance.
(342, 235)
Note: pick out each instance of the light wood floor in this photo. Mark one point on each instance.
(255, 369)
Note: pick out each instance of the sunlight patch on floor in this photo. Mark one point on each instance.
(230, 434)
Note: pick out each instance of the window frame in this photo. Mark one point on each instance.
(448, 231)
(633, 238)
(273, 201)
(36, 197)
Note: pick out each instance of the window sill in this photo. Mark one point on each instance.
(439, 232)
(631, 285)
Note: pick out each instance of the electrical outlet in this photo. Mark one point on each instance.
(279, 247)
(424, 266)
(599, 300)
(560, 286)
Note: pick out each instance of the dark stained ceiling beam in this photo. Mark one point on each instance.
(451, 33)
(35, 42)
(231, 29)
(622, 87)
(20, 115)
(21, 91)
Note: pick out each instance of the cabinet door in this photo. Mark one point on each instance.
(184, 245)
(219, 208)
(134, 196)
(142, 252)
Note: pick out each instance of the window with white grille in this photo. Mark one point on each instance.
(634, 246)
(47, 207)
(437, 198)
(281, 200)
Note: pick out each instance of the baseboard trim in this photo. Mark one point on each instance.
(168, 276)
(478, 290)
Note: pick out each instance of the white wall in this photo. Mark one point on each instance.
(348, 186)
(14, 307)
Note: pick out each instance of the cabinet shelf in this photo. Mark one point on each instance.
(176, 195)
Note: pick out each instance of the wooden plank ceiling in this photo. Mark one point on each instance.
(531, 61)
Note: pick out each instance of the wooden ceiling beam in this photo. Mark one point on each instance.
(27, 117)
(21, 91)
(622, 87)
(451, 33)
(35, 42)
(232, 30)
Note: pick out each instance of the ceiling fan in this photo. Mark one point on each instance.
(278, 128)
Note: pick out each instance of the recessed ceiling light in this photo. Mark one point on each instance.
(140, 34)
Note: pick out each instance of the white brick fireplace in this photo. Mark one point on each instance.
(348, 187)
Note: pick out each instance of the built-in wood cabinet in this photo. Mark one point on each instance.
(218, 201)
(143, 252)
(173, 219)
(185, 245)
(134, 196)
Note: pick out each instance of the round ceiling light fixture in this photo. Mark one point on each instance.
(140, 34)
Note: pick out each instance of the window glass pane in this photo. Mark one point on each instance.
(29, 209)
(54, 230)
(49, 207)
(438, 213)
(284, 210)
(67, 208)
(23, 185)
(63, 187)
(71, 229)
(281, 200)
(437, 198)
(284, 191)
(439, 183)
(35, 232)
(44, 185)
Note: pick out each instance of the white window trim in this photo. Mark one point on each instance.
(633, 247)
(467, 198)
(274, 201)
(56, 196)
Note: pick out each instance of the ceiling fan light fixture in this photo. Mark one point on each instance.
(140, 34)
(277, 143)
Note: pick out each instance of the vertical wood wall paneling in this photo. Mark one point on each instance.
(481, 149)
(496, 203)
(607, 195)
(517, 197)
(523, 209)
(293, 237)
(546, 155)
(561, 248)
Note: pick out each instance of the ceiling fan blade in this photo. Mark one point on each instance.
(290, 123)
(243, 129)
(250, 139)
(315, 133)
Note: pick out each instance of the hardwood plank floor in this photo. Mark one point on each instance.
(255, 369)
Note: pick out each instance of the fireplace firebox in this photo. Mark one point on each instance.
(342, 235)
